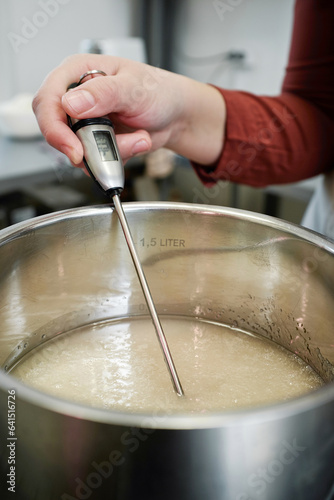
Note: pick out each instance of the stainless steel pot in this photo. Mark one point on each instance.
(230, 266)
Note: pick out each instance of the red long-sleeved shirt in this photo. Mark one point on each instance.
(290, 137)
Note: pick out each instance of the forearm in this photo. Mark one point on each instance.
(271, 140)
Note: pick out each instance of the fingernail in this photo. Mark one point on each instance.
(73, 155)
(141, 146)
(80, 100)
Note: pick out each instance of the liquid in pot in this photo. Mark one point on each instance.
(118, 365)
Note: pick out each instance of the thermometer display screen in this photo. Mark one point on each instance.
(105, 145)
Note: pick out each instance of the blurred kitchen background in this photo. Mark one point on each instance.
(239, 44)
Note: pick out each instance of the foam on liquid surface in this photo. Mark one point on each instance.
(119, 365)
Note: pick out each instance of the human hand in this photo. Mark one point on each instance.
(150, 107)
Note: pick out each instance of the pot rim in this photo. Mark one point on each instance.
(227, 418)
(14, 231)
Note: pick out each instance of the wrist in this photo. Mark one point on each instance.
(198, 133)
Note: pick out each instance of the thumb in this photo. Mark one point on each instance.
(77, 102)
(97, 97)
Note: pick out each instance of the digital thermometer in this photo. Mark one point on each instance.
(101, 155)
(104, 164)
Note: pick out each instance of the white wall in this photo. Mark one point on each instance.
(36, 35)
(261, 28)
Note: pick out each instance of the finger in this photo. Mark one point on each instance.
(129, 145)
(52, 121)
(47, 106)
(133, 144)
(123, 94)
(92, 98)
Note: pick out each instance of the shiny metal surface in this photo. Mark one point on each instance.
(102, 159)
(261, 274)
(108, 174)
(91, 73)
(148, 298)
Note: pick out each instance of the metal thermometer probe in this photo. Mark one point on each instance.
(104, 164)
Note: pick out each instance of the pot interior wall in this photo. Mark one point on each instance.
(73, 268)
